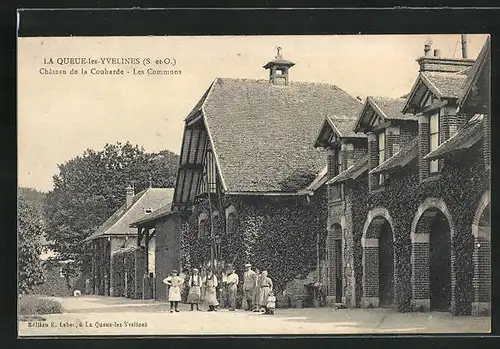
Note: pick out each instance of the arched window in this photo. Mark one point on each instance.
(230, 220)
(203, 225)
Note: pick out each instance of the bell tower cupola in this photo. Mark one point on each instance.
(279, 69)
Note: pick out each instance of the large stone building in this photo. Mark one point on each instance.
(250, 188)
(411, 210)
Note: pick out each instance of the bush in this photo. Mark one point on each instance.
(282, 301)
(32, 305)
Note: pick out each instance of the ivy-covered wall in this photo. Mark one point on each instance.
(357, 196)
(123, 264)
(460, 185)
(277, 233)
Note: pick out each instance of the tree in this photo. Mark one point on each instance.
(89, 188)
(29, 230)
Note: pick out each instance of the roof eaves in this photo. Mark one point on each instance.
(357, 126)
(332, 124)
(340, 177)
(209, 134)
(481, 59)
(265, 193)
(409, 97)
(400, 159)
(318, 140)
(148, 219)
(320, 179)
(375, 106)
(431, 86)
(441, 150)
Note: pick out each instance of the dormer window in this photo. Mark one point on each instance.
(148, 210)
(381, 153)
(434, 140)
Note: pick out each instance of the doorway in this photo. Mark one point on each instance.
(338, 268)
(440, 264)
(386, 266)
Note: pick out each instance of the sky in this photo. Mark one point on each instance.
(60, 116)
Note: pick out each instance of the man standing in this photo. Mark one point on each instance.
(232, 286)
(249, 284)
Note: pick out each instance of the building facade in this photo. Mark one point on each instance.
(162, 227)
(249, 186)
(419, 229)
(111, 244)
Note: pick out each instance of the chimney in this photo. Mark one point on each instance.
(436, 63)
(427, 48)
(130, 195)
(278, 69)
(464, 45)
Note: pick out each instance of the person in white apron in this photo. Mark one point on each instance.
(194, 295)
(266, 286)
(174, 283)
(211, 291)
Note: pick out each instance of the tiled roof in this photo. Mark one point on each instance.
(384, 108)
(338, 129)
(406, 154)
(153, 216)
(466, 136)
(392, 108)
(320, 179)
(352, 172)
(448, 85)
(119, 222)
(262, 133)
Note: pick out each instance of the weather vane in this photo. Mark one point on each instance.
(278, 51)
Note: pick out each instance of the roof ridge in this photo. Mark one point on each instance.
(385, 97)
(293, 82)
(128, 208)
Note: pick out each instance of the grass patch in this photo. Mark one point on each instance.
(37, 305)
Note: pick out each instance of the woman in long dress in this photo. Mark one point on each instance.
(256, 291)
(174, 283)
(266, 286)
(194, 295)
(211, 291)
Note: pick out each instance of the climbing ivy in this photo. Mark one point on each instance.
(277, 234)
(461, 183)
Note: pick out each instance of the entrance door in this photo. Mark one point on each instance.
(386, 266)
(338, 268)
(440, 264)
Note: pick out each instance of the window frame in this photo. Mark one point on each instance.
(339, 188)
(433, 134)
(381, 153)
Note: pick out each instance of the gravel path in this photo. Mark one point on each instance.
(96, 315)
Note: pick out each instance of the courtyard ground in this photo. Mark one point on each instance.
(97, 315)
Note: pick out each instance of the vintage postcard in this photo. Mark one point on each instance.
(254, 185)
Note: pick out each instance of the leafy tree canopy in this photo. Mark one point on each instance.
(91, 187)
(30, 230)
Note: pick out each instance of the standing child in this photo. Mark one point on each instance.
(271, 304)
(174, 283)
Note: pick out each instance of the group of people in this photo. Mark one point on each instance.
(257, 290)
